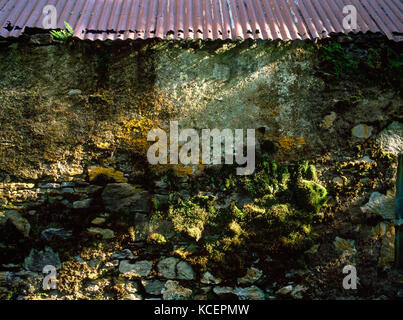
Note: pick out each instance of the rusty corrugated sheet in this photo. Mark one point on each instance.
(204, 19)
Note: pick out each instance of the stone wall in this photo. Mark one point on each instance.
(76, 190)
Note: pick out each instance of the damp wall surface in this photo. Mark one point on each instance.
(71, 106)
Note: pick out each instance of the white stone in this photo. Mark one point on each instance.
(391, 139)
(285, 290)
(382, 205)
(362, 131)
(133, 296)
(73, 92)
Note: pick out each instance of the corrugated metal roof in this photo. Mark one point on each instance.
(204, 19)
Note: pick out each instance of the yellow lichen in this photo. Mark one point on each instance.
(135, 133)
(111, 173)
(287, 143)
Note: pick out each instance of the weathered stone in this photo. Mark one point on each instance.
(161, 184)
(285, 290)
(70, 169)
(133, 296)
(138, 269)
(111, 265)
(164, 227)
(124, 254)
(41, 39)
(240, 200)
(20, 223)
(68, 184)
(386, 232)
(391, 139)
(153, 286)
(144, 226)
(382, 205)
(252, 275)
(82, 204)
(98, 221)
(224, 291)
(338, 181)
(250, 293)
(74, 92)
(66, 203)
(161, 200)
(93, 189)
(55, 233)
(95, 262)
(92, 288)
(131, 287)
(37, 260)
(362, 131)
(328, 120)
(185, 271)
(342, 245)
(174, 291)
(141, 227)
(208, 278)
(17, 186)
(298, 291)
(104, 233)
(167, 267)
(137, 203)
(365, 159)
(205, 289)
(49, 186)
(115, 191)
(120, 197)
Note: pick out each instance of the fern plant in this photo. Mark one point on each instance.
(63, 34)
